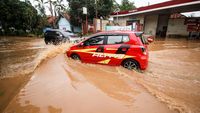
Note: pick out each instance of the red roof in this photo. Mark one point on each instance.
(159, 5)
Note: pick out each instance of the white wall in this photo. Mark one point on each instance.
(104, 23)
(177, 27)
(122, 20)
(64, 24)
(151, 24)
(141, 18)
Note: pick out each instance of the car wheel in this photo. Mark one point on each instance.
(56, 42)
(46, 41)
(66, 40)
(131, 65)
(75, 57)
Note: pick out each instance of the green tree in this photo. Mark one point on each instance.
(55, 7)
(126, 5)
(104, 8)
(59, 6)
(115, 6)
(19, 15)
(40, 6)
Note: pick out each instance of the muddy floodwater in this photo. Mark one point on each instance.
(36, 78)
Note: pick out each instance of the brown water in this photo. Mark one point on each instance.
(17, 55)
(170, 84)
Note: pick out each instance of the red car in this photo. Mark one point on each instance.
(126, 48)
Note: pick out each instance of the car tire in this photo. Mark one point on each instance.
(65, 40)
(46, 41)
(131, 64)
(56, 41)
(75, 57)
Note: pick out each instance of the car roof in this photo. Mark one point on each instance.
(51, 31)
(119, 32)
(137, 33)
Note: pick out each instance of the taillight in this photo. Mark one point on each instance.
(143, 50)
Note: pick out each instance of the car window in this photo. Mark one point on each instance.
(143, 39)
(114, 39)
(50, 32)
(58, 33)
(117, 39)
(98, 40)
(125, 38)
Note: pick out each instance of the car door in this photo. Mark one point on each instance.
(116, 48)
(93, 48)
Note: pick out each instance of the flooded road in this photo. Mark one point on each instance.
(17, 62)
(171, 83)
(17, 55)
(173, 74)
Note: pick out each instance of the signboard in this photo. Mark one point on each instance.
(121, 28)
(193, 24)
(84, 10)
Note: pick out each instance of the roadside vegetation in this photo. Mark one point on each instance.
(21, 18)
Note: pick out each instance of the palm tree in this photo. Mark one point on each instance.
(40, 6)
(58, 6)
(50, 7)
(55, 6)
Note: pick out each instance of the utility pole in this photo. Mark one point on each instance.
(96, 8)
(117, 11)
(51, 9)
(95, 21)
(86, 20)
(86, 24)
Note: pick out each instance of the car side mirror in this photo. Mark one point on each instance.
(81, 44)
(150, 39)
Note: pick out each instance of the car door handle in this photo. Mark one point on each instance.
(100, 49)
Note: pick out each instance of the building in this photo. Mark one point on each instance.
(163, 19)
(62, 21)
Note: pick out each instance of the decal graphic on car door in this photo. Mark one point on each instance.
(96, 45)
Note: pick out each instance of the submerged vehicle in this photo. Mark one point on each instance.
(125, 48)
(57, 36)
(54, 37)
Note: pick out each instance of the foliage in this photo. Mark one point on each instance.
(104, 8)
(59, 6)
(126, 5)
(18, 18)
(115, 6)
(40, 6)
